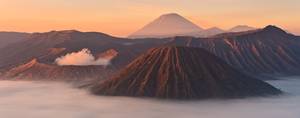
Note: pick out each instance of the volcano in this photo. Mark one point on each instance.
(241, 28)
(182, 73)
(167, 25)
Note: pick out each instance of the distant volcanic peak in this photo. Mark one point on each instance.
(170, 14)
(182, 73)
(241, 28)
(167, 25)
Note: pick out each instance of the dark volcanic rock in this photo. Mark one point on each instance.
(182, 73)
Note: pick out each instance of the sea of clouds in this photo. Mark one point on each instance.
(25, 99)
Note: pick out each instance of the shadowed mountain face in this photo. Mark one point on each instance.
(7, 38)
(270, 50)
(182, 73)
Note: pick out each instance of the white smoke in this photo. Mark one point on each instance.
(57, 100)
(81, 58)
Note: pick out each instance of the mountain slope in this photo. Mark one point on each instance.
(7, 38)
(48, 46)
(182, 73)
(167, 25)
(270, 50)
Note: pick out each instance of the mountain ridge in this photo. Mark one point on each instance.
(182, 73)
(266, 51)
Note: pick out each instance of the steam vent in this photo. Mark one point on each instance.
(182, 73)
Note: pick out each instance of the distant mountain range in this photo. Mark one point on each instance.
(170, 25)
(269, 50)
(264, 51)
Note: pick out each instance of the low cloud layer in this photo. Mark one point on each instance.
(81, 58)
(58, 100)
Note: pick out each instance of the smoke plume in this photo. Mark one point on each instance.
(81, 58)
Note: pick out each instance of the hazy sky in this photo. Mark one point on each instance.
(122, 17)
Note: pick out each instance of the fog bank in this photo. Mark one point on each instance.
(58, 100)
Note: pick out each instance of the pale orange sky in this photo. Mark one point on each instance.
(122, 17)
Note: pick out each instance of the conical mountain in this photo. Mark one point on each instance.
(182, 73)
(167, 25)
